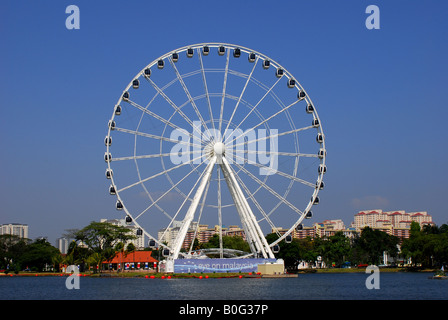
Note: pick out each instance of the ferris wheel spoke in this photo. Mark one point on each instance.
(283, 174)
(204, 81)
(271, 136)
(224, 90)
(241, 96)
(168, 191)
(161, 119)
(152, 136)
(273, 192)
(146, 156)
(159, 174)
(259, 101)
(173, 105)
(288, 154)
(190, 98)
(275, 114)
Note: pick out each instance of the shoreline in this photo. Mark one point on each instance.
(157, 275)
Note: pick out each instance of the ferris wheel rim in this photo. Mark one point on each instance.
(246, 50)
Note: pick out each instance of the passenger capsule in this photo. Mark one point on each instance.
(291, 83)
(315, 200)
(111, 124)
(166, 252)
(175, 57)
(279, 72)
(322, 153)
(301, 94)
(108, 140)
(147, 72)
(221, 50)
(309, 215)
(299, 227)
(109, 173)
(276, 248)
(160, 64)
(236, 52)
(107, 157)
(190, 52)
(128, 219)
(288, 238)
(322, 168)
(315, 123)
(139, 232)
(320, 185)
(251, 57)
(125, 96)
(152, 243)
(135, 84)
(117, 110)
(119, 205)
(309, 108)
(266, 64)
(205, 50)
(320, 138)
(112, 190)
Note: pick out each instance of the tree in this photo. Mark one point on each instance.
(369, 247)
(229, 242)
(38, 255)
(102, 238)
(427, 246)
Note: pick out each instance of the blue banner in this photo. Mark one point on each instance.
(218, 265)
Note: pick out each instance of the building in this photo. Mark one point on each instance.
(377, 219)
(136, 260)
(16, 229)
(397, 223)
(62, 245)
(202, 232)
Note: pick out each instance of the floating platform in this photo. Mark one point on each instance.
(284, 275)
(438, 277)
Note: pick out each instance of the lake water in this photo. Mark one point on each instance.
(343, 286)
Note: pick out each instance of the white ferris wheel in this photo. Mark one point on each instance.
(215, 134)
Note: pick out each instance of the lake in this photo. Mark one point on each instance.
(318, 286)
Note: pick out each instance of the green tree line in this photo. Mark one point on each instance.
(92, 245)
(100, 241)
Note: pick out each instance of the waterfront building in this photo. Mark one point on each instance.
(136, 260)
(17, 229)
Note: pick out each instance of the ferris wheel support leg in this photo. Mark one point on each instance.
(192, 209)
(252, 226)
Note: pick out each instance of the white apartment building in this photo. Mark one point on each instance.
(389, 220)
(17, 229)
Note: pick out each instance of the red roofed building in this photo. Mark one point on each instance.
(137, 260)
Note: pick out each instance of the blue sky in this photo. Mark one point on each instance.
(381, 96)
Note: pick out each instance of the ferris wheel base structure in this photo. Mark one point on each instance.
(214, 265)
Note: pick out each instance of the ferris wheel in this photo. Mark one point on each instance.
(215, 134)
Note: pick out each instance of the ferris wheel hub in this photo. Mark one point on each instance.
(219, 148)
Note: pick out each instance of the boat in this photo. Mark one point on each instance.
(440, 275)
